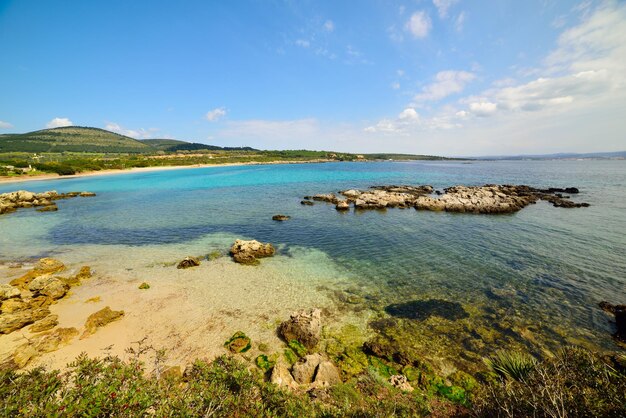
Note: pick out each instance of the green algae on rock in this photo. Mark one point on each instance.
(238, 343)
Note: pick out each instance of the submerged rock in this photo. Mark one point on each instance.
(99, 319)
(248, 252)
(304, 327)
(188, 262)
(281, 218)
(424, 309)
(619, 311)
(306, 203)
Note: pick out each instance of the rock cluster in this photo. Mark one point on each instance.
(10, 202)
(281, 218)
(26, 299)
(312, 371)
(248, 252)
(489, 198)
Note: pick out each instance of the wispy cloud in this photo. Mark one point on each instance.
(446, 83)
(329, 26)
(215, 114)
(443, 6)
(133, 133)
(5, 125)
(419, 25)
(59, 123)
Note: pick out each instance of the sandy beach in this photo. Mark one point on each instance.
(190, 312)
(7, 179)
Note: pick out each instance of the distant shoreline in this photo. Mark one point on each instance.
(49, 176)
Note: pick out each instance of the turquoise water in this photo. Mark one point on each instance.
(543, 269)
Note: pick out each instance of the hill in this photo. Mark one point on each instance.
(174, 145)
(72, 139)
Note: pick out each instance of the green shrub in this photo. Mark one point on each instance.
(511, 364)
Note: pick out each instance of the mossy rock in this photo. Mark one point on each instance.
(238, 343)
(264, 347)
(290, 356)
(381, 368)
(352, 362)
(144, 286)
(462, 379)
(298, 348)
(264, 363)
(455, 394)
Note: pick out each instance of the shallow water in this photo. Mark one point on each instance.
(533, 278)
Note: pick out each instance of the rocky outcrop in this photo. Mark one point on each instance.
(10, 202)
(488, 199)
(8, 292)
(238, 343)
(48, 286)
(312, 371)
(45, 324)
(188, 262)
(619, 311)
(44, 266)
(281, 218)
(304, 327)
(99, 319)
(282, 377)
(19, 318)
(248, 252)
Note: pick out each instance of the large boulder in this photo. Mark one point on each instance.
(304, 370)
(304, 327)
(99, 319)
(282, 377)
(326, 375)
(48, 286)
(248, 252)
(12, 321)
(7, 292)
(43, 266)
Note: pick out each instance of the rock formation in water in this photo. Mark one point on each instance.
(10, 202)
(248, 252)
(188, 262)
(304, 327)
(619, 311)
(489, 198)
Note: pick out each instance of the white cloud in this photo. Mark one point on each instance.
(459, 22)
(419, 25)
(446, 83)
(329, 26)
(408, 114)
(443, 6)
(5, 125)
(395, 85)
(215, 114)
(303, 43)
(133, 133)
(58, 123)
(480, 109)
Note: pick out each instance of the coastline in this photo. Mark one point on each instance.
(7, 179)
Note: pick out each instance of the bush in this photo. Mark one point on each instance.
(575, 383)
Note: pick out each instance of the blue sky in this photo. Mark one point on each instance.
(446, 77)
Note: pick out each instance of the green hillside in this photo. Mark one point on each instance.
(163, 144)
(72, 139)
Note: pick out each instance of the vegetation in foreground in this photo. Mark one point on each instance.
(575, 383)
